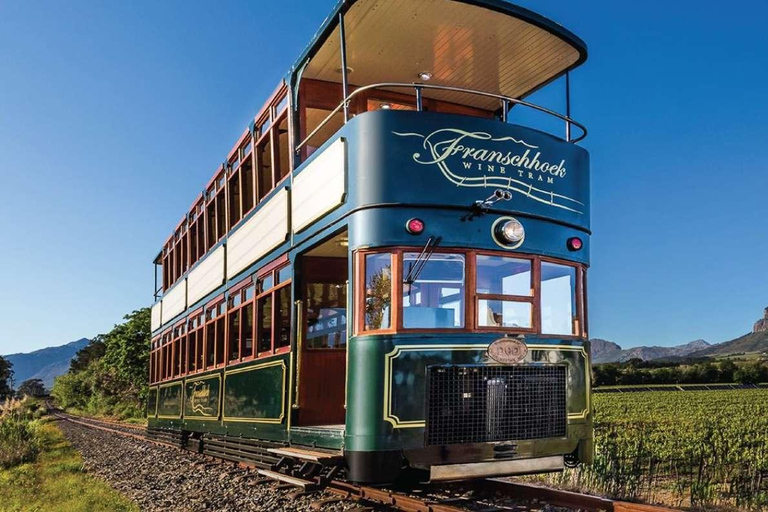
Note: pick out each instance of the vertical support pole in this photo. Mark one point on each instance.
(419, 99)
(344, 78)
(505, 111)
(568, 105)
(154, 291)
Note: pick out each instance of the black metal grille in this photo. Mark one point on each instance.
(476, 404)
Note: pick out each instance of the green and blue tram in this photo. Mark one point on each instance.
(387, 271)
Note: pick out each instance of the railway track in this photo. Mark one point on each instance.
(490, 495)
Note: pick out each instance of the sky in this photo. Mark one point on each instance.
(113, 116)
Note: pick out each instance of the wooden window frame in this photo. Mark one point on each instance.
(240, 289)
(266, 126)
(197, 317)
(471, 295)
(212, 323)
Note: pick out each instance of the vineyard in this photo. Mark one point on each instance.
(697, 449)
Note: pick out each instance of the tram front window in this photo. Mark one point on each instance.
(505, 291)
(558, 299)
(433, 292)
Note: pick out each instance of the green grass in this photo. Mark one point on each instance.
(56, 482)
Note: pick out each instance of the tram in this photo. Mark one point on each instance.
(387, 272)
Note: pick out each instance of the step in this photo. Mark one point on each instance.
(325, 458)
(292, 480)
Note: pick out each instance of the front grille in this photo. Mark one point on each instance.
(477, 404)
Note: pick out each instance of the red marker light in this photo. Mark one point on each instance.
(575, 244)
(414, 226)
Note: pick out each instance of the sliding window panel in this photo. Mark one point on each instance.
(156, 318)
(264, 231)
(175, 300)
(207, 275)
(320, 187)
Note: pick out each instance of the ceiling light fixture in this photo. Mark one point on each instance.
(425, 76)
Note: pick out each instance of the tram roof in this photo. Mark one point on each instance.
(486, 45)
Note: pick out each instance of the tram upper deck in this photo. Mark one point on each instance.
(394, 104)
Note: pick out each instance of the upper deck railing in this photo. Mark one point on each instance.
(505, 102)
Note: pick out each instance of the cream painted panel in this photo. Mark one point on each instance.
(267, 229)
(156, 319)
(319, 188)
(207, 276)
(175, 301)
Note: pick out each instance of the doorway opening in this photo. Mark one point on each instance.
(323, 294)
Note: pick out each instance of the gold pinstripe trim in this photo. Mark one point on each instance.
(218, 398)
(181, 397)
(277, 420)
(396, 422)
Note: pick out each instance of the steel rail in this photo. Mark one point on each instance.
(418, 87)
(406, 503)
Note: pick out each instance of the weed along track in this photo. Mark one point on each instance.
(161, 475)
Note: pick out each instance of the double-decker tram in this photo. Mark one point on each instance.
(386, 272)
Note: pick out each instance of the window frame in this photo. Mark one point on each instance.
(472, 297)
(271, 270)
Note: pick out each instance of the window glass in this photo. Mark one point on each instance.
(265, 283)
(503, 276)
(210, 342)
(558, 299)
(433, 299)
(504, 313)
(283, 317)
(326, 315)
(234, 335)
(247, 320)
(264, 331)
(283, 274)
(378, 291)
(220, 341)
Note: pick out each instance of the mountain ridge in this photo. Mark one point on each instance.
(45, 364)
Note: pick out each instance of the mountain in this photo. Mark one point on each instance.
(754, 342)
(604, 351)
(44, 364)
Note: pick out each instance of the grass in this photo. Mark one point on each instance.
(56, 481)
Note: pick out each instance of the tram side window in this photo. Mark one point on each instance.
(210, 339)
(504, 292)
(273, 311)
(240, 318)
(559, 310)
(378, 291)
(433, 292)
(264, 166)
(234, 198)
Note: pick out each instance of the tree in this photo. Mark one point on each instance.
(110, 375)
(31, 387)
(93, 351)
(6, 377)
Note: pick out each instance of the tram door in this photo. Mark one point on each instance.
(322, 370)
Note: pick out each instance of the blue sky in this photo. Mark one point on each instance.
(113, 115)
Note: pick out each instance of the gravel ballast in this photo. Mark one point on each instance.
(166, 478)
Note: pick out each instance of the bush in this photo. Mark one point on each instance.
(18, 437)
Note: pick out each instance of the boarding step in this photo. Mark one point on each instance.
(167, 435)
(237, 449)
(304, 485)
(325, 458)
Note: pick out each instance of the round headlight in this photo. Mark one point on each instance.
(512, 231)
(508, 232)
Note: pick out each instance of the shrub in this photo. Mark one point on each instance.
(18, 440)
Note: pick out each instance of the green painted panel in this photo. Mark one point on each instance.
(409, 371)
(152, 403)
(201, 397)
(169, 401)
(256, 393)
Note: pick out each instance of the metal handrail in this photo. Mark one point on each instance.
(418, 87)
